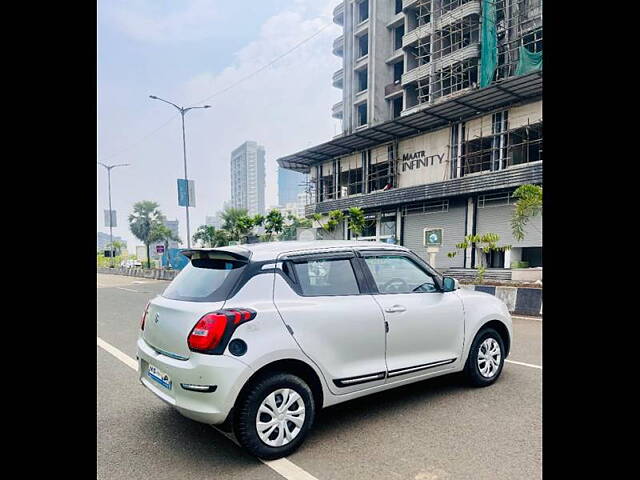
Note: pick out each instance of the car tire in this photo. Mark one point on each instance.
(284, 436)
(483, 366)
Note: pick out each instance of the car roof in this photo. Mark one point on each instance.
(270, 250)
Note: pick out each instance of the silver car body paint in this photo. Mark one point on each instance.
(339, 337)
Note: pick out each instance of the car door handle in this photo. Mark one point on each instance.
(395, 308)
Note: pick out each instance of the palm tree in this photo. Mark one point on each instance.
(142, 222)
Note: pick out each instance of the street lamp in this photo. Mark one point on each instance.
(109, 168)
(182, 111)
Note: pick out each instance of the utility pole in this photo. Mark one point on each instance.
(183, 111)
(109, 168)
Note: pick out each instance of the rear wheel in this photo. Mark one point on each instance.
(274, 415)
(486, 358)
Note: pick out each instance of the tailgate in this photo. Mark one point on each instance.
(169, 323)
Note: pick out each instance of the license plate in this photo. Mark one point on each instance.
(159, 376)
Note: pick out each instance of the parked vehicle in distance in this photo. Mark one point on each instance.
(257, 338)
(130, 263)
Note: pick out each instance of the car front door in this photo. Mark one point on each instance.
(336, 323)
(425, 326)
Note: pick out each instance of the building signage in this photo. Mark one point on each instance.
(432, 237)
(419, 159)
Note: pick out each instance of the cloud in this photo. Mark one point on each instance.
(151, 23)
(286, 107)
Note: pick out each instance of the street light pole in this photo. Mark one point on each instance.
(183, 111)
(109, 168)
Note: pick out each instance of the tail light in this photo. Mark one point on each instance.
(144, 316)
(213, 331)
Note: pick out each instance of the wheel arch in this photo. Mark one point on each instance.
(294, 367)
(502, 329)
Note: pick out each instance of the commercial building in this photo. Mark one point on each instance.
(248, 177)
(469, 131)
(290, 184)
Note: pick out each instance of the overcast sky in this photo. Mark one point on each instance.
(185, 51)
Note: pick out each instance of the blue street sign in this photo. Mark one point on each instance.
(183, 192)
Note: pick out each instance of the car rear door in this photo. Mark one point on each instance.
(323, 300)
(425, 325)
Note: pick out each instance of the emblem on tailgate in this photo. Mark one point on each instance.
(157, 318)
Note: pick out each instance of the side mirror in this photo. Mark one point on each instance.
(450, 284)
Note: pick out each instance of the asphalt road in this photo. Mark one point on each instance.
(433, 430)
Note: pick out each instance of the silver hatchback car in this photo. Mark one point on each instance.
(257, 338)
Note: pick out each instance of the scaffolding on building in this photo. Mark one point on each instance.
(451, 42)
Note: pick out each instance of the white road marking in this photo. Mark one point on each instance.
(123, 357)
(535, 319)
(525, 364)
(281, 466)
(129, 290)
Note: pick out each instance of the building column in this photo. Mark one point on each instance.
(470, 228)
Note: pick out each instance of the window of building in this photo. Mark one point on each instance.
(396, 107)
(399, 274)
(456, 77)
(533, 41)
(326, 188)
(494, 259)
(361, 111)
(532, 255)
(351, 181)
(398, 70)
(398, 8)
(363, 45)
(380, 176)
(457, 137)
(326, 277)
(499, 143)
(525, 144)
(397, 37)
(438, 206)
(363, 11)
(361, 79)
(448, 5)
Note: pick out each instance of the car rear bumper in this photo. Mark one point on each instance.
(226, 373)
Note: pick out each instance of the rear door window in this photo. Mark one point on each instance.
(205, 280)
(326, 277)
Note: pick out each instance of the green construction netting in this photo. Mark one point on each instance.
(488, 47)
(528, 61)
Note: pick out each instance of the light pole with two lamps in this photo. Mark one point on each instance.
(109, 168)
(183, 111)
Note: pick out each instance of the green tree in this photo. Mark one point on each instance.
(487, 242)
(142, 222)
(230, 218)
(356, 221)
(162, 233)
(289, 230)
(273, 223)
(210, 236)
(528, 205)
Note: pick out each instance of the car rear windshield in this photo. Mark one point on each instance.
(205, 280)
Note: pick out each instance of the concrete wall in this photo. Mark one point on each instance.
(519, 300)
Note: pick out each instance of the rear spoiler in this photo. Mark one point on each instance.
(229, 253)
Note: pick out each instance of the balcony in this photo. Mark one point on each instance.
(406, 4)
(470, 8)
(338, 78)
(395, 56)
(414, 35)
(396, 20)
(416, 73)
(337, 110)
(338, 46)
(470, 51)
(392, 89)
(338, 14)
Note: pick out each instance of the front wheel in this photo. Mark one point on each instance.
(274, 416)
(486, 358)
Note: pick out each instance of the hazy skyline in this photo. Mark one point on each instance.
(185, 53)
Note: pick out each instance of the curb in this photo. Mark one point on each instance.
(155, 273)
(519, 300)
